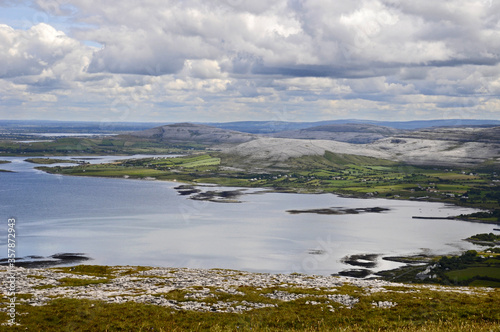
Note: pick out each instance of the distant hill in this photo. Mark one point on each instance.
(252, 127)
(355, 128)
(459, 134)
(189, 132)
(268, 127)
(357, 133)
(84, 127)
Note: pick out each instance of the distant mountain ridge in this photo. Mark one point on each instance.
(252, 127)
(268, 127)
(355, 128)
(50, 126)
(356, 133)
(204, 134)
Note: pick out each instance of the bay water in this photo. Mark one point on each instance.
(139, 222)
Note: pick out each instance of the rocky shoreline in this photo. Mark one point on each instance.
(200, 290)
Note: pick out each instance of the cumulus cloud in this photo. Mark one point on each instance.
(33, 51)
(255, 56)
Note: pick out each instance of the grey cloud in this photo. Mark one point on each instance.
(304, 38)
(209, 52)
(328, 32)
(251, 6)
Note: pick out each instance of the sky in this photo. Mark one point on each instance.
(238, 60)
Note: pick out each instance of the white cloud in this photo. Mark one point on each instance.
(33, 51)
(254, 56)
(202, 69)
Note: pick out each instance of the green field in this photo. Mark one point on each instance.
(466, 274)
(471, 268)
(121, 172)
(203, 162)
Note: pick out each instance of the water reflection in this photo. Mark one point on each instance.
(136, 222)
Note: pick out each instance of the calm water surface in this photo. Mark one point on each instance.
(136, 222)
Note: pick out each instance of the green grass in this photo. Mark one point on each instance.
(101, 270)
(75, 282)
(335, 160)
(454, 176)
(204, 162)
(453, 188)
(465, 274)
(228, 182)
(422, 311)
(135, 173)
(485, 283)
(381, 168)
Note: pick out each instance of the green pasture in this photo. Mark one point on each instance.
(455, 176)
(204, 162)
(483, 271)
(452, 187)
(113, 172)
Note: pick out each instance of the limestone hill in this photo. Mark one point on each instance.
(188, 132)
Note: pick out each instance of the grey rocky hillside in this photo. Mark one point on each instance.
(448, 146)
(487, 134)
(356, 133)
(194, 133)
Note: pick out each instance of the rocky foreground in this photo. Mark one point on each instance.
(202, 290)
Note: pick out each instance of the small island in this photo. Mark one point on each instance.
(484, 239)
(49, 161)
(5, 162)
